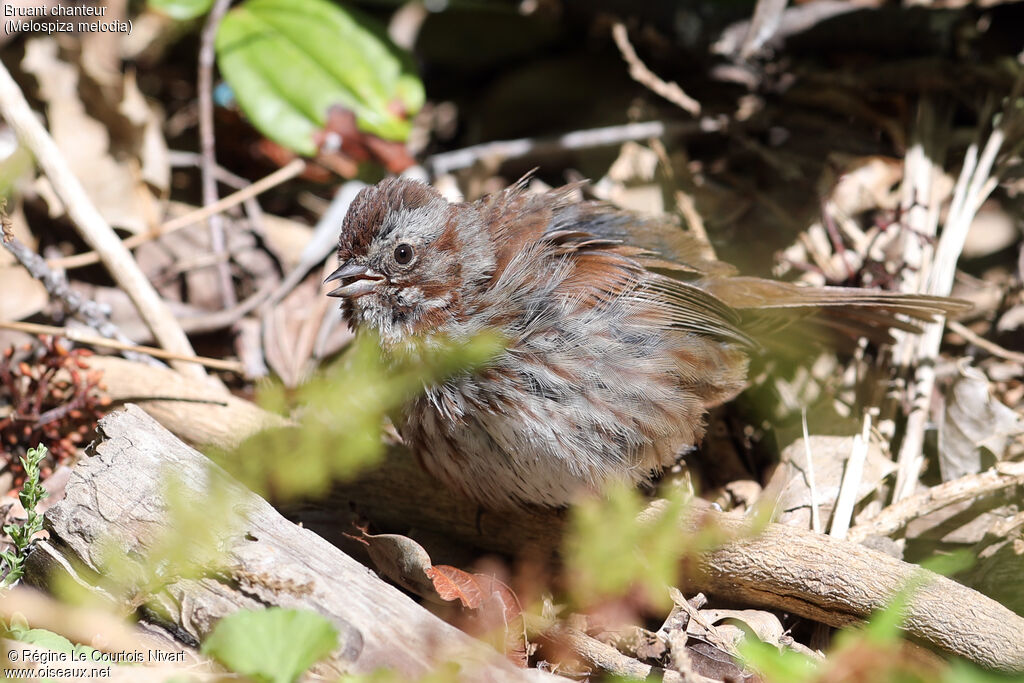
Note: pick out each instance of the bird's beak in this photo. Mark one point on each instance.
(363, 280)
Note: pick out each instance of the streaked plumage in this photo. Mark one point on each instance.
(620, 336)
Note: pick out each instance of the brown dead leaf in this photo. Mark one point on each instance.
(290, 330)
(496, 608)
(342, 146)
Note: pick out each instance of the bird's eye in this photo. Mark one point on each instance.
(403, 254)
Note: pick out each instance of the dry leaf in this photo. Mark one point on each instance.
(973, 422)
(23, 294)
(790, 483)
(114, 188)
(765, 625)
(497, 609)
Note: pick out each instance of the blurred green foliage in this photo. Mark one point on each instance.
(339, 429)
(274, 645)
(182, 9)
(19, 630)
(612, 551)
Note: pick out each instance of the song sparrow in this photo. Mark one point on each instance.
(620, 336)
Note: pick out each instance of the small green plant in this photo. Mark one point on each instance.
(32, 493)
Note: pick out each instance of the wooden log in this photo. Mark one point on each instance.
(119, 496)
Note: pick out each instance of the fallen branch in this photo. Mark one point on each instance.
(829, 580)
(503, 150)
(639, 72)
(194, 411)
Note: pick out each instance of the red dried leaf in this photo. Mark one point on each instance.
(452, 583)
(498, 608)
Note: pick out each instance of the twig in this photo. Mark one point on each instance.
(207, 148)
(639, 72)
(76, 336)
(218, 320)
(285, 173)
(852, 476)
(982, 343)
(91, 225)
(685, 202)
(812, 487)
(447, 162)
(1004, 475)
(763, 25)
(179, 158)
(56, 284)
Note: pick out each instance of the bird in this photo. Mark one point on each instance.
(620, 333)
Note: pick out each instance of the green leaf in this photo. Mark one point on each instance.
(43, 638)
(274, 645)
(290, 61)
(182, 9)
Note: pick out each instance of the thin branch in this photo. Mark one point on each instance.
(763, 25)
(812, 487)
(253, 211)
(1004, 475)
(852, 476)
(606, 658)
(639, 72)
(93, 228)
(76, 336)
(503, 150)
(207, 147)
(279, 176)
(973, 338)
